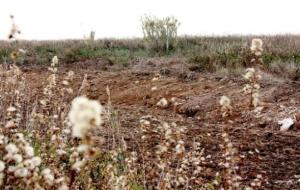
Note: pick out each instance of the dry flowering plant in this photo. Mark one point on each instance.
(232, 179)
(252, 87)
(226, 107)
(257, 50)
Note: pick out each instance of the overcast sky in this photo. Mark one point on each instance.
(61, 19)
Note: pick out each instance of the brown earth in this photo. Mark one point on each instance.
(262, 147)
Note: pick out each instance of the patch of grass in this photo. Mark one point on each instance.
(285, 69)
(203, 53)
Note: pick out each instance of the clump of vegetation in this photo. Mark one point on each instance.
(252, 75)
(226, 107)
(231, 53)
(160, 34)
(257, 50)
(252, 88)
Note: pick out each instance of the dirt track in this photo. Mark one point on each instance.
(263, 149)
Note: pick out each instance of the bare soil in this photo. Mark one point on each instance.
(262, 147)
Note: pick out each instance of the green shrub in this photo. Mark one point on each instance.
(160, 34)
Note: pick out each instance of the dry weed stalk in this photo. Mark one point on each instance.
(252, 88)
(176, 165)
(232, 179)
(257, 50)
(226, 107)
(252, 76)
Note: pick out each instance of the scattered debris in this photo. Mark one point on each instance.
(258, 110)
(286, 124)
(154, 88)
(188, 77)
(156, 77)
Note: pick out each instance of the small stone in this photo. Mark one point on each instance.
(163, 103)
(154, 88)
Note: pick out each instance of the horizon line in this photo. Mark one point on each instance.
(179, 36)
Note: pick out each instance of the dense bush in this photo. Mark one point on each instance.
(160, 34)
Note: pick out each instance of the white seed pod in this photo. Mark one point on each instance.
(21, 172)
(163, 103)
(2, 166)
(84, 114)
(11, 148)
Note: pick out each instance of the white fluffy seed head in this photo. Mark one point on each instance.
(21, 172)
(46, 171)
(54, 61)
(33, 163)
(10, 124)
(48, 176)
(11, 109)
(17, 158)
(2, 166)
(63, 187)
(256, 86)
(61, 152)
(66, 83)
(52, 80)
(2, 139)
(82, 148)
(255, 99)
(36, 161)
(11, 148)
(28, 164)
(249, 73)
(70, 74)
(11, 169)
(154, 88)
(78, 165)
(247, 89)
(20, 137)
(225, 101)
(84, 114)
(180, 147)
(162, 103)
(29, 151)
(256, 45)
